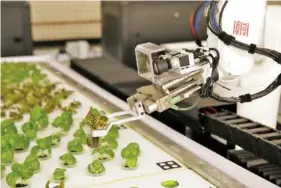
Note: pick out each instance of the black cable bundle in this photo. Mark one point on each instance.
(216, 29)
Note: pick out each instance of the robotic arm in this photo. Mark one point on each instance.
(176, 76)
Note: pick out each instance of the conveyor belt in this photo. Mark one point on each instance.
(259, 139)
(257, 165)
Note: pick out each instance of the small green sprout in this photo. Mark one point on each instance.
(107, 142)
(73, 106)
(43, 148)
(44, 143)
(130, 154)
(8, 127)
(131, 162)
(104, 153)
(32, 162)
(39, 117)
(81, 136)
(19, 142)
(22, 170)
(7, 155)
(55, 138)
(75, 146)
(64, 121)
(29, 129)
(96, 167)
(19, 175)
(12, 179)
(95, 119)
(59, 174)
(41, 153)
(113, 132)
(68, 159)
(170, 184)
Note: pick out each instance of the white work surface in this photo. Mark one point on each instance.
(148, 174)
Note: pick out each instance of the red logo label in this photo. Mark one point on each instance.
(241, 28)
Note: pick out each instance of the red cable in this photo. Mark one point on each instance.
(192, 26)
(213, 109)
(206, 112)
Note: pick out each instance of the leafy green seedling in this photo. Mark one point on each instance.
(19, 142)
(96, 168)
(22, 170)
(170, 184)
(41, 153)
(64, 121)
(39, 117)
(134, 148)
(13, 179)
(43, 148)
(32, 162)
(19, 175)
(131, 162)
(8, 127)
(68, 159)
(81, 136)
(44, 143)
(29, 129)
(111, 143)
(95, 119)
(59, 174)
(104, 153)
(113, 132)
(55, 139)
(75, 146)
(7, 155)
(129, 151)
(126, 152)
(130, 155)
(73, 106)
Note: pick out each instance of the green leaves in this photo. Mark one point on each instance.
(8, 127)
(64, 121)
(29, 129)
(22, 170)
(59, 174)
(19, 142)
(130, 154)
(95, 119)
(39, 117)
(132, 149)
(113, 132)
(55, 139)
(32, 162)
(131, 162)
(104, 153)
(81, 136)
(96, 167)
(170, 184)
(12, 178)
(44, 143)
(74, 146)
(68, 159)
(7, 155)
(110, 143)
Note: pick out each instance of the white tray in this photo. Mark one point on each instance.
(148, 174)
